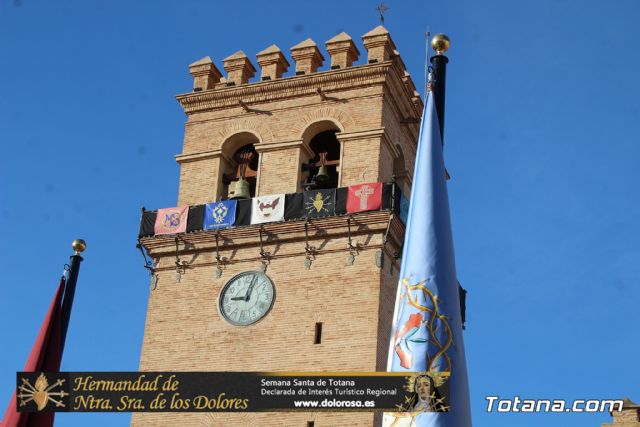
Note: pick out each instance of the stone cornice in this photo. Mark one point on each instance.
(289, 87)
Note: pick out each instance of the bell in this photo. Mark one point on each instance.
(322, 177)
(241, 190)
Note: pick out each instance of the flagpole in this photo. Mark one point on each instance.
(440, 43)
(78, 246)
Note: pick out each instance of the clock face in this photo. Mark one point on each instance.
(247, 298)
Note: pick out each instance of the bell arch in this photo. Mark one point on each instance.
(239, 161)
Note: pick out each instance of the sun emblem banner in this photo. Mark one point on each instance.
(364, 197)
(319, 203)
(267, 209)
(171, 220)
(426, 334)
(219, 214)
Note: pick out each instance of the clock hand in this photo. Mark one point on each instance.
(237, 298)
(250, 288)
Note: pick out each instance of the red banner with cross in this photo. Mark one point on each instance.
(364, 197)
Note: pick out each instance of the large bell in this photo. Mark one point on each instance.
(322, 177)
(241, 190)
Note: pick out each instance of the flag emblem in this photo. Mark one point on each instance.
(220, 214)
(364, 197)
(172, 220)
(41, 392)
(267, 209)
(319, 203)
(426, 325)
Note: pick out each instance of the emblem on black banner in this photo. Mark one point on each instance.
(319, 203)
(41, 392)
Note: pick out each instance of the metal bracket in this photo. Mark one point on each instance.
(353, 249)
(181, 266)
(310, 251)
(266, 256)
(219, 260)
(149, 266)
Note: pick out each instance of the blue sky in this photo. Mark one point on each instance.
(541, 138)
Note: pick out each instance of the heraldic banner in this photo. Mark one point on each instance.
(267, 209)
(319, 203)
(171, 220)
(219, 215)
(364, 197)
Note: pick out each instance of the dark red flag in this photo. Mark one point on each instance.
(364, 197)
(45, 356)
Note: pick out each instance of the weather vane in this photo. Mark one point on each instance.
(382, 8)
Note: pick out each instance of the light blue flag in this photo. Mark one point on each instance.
(219, 214)
(426, 333)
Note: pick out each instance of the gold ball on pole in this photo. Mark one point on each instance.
(79, 245)
(440, 43)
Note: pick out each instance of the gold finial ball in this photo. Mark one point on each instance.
(79, 245)
(440, 43)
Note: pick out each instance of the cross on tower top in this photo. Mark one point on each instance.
(382, 8)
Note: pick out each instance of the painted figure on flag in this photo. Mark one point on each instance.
(425, 324)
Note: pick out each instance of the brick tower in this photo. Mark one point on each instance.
(335, 283)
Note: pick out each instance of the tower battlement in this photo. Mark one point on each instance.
(308, 60)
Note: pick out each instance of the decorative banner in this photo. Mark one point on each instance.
(267, 209)
(404, 208)
(219, 214)
(147, 223)
(319, 203)
(230, 391)
(426, 333)
(293, 206)
(196, 218)
(364, 197)
(172, 220)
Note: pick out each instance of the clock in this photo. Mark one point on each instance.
(247, 298)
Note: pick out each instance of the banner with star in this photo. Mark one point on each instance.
(219, 214)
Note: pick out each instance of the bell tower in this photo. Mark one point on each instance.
(334, 119)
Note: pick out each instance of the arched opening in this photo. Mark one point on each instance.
(240, 162)
(399, 167)
(324, 167)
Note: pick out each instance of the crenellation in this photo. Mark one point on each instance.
(272, 62)
(307, 57)
(239, 69)
(342, 50)
(379, 45)
(205, 74)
